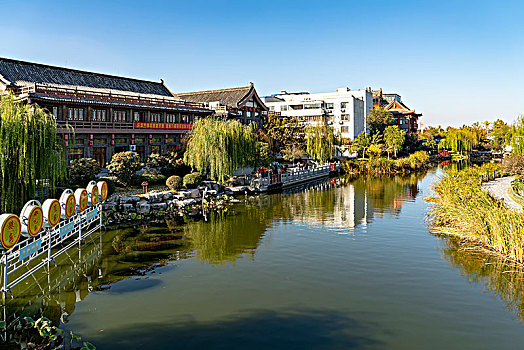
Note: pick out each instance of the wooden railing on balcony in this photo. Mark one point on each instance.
(105, 96)
(83, 124)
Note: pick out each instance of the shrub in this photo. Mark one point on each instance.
(111, 184)
(192, 180)
(83, 170)
(155, 160)
(174, 165)
(174, 182)
(123, 165)
(154, 179)
(514, 164)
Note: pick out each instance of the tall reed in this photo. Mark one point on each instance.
(463, 209)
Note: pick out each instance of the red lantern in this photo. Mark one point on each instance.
(91, 136)
(90, 143)
(65, 136)
(67, 143)
(112, 136)
(112, 142)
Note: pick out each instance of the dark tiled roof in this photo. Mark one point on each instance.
(228, 97)
(23, 73)
(273, 99)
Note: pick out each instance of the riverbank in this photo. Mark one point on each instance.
(383, 166)
(464, 210)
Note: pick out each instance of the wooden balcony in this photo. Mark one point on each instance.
(93, 95)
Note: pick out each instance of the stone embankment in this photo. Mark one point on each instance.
(161, 201)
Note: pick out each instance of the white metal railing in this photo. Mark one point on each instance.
(294, 176)
(14, 260)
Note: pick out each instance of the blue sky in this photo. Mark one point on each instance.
(455, 61)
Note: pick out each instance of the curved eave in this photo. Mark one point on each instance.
(252, 93)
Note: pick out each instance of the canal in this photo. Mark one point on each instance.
(338, 264)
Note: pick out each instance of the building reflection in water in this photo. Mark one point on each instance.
(346, 203)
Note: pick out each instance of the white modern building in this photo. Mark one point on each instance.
(345, 110)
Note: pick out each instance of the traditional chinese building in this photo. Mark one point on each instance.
(240, 103)
(108, 113)
(405, 118)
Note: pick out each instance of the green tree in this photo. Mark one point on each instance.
(394, 138)
(319, 142)
(124, 165)
(266, 156)
(292, 152)
(83, 170)
(461, 140)
(500, 133)
(281, 133)
(378, 120)
(364, 141)
(220, 147)
(29, 150)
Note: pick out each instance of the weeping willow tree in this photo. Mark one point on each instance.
(319, 142)
(461, 140)
(517, 136)
(29, 151)
(220, 147)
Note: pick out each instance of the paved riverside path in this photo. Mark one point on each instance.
(499, 189)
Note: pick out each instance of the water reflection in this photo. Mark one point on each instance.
(500, 277)
(342, 204)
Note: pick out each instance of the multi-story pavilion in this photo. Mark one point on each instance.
(108, 113)
(405, 118)
(239, 103)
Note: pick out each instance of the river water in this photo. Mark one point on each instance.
(338, 264)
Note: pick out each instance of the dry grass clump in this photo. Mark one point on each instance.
(463, 209)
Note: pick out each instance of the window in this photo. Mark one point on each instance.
(156, 140)
(171, 139)
(155, 149)
(75, 114)
(121, 140)
(76, 141)
(185, 119)
(136, 117)
(330, 105)
(75, 153)
(312, 106)
(119, 116)
(345, 117)
(345, 129)
(156, 117)
(343, 105)
(296, 107)
(170, 118)
(140, 140)
(271, 108)
(99, 141)
(283, 108)
(98, 115)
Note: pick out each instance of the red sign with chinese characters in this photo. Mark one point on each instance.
(179, 126)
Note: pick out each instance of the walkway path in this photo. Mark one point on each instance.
(499, 189)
